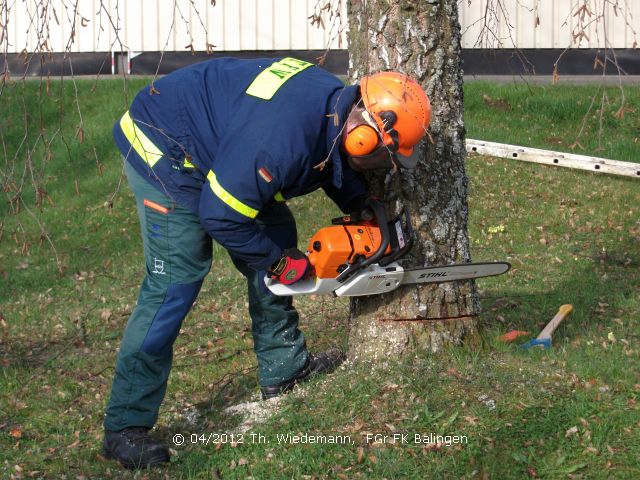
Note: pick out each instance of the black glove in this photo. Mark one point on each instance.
(292, 266)
(359, 210)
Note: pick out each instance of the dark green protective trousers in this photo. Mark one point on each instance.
(177, 254)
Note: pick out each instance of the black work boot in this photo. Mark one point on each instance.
(317, 364)
(134, 448)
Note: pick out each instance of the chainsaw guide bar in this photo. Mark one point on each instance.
(374, 279)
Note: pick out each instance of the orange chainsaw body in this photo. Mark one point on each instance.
(331, 249)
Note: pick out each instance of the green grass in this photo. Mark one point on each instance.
(562, 118)
(571, 236)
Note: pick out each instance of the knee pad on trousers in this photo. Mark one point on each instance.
(166, 324)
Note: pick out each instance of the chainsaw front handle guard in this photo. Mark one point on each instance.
(400, 251)
(361, 262)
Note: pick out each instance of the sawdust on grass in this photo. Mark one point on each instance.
(254, 413)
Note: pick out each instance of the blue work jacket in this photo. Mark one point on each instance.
(227, 137)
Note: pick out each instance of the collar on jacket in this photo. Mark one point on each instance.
(339, 104)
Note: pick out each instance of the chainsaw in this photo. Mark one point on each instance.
(354, 258)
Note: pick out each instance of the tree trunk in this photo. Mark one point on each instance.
(421, 39)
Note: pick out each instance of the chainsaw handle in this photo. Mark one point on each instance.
(381, 219)
(400, 251)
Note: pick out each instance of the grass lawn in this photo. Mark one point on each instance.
(562, 118)
(71, 263)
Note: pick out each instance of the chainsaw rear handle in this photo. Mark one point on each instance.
(381, 219)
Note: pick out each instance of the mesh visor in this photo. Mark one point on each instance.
(381, 157)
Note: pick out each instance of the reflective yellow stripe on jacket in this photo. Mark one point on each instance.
(139, 141)
(229, 199)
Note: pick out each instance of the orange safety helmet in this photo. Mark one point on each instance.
(400, 109)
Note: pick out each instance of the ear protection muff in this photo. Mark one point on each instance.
(362, 140)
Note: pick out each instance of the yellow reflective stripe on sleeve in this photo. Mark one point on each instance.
(279, 197)
(139, 141)
(229, 199)
(267, 83)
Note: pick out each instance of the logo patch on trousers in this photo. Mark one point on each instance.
(158, 267)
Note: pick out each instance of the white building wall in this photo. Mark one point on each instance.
(550, 23)
(231, 25)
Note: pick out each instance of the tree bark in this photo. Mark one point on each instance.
(421, 39)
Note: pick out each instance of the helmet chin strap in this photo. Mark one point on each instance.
(396, 164)
(387, 179)
(387, 183)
